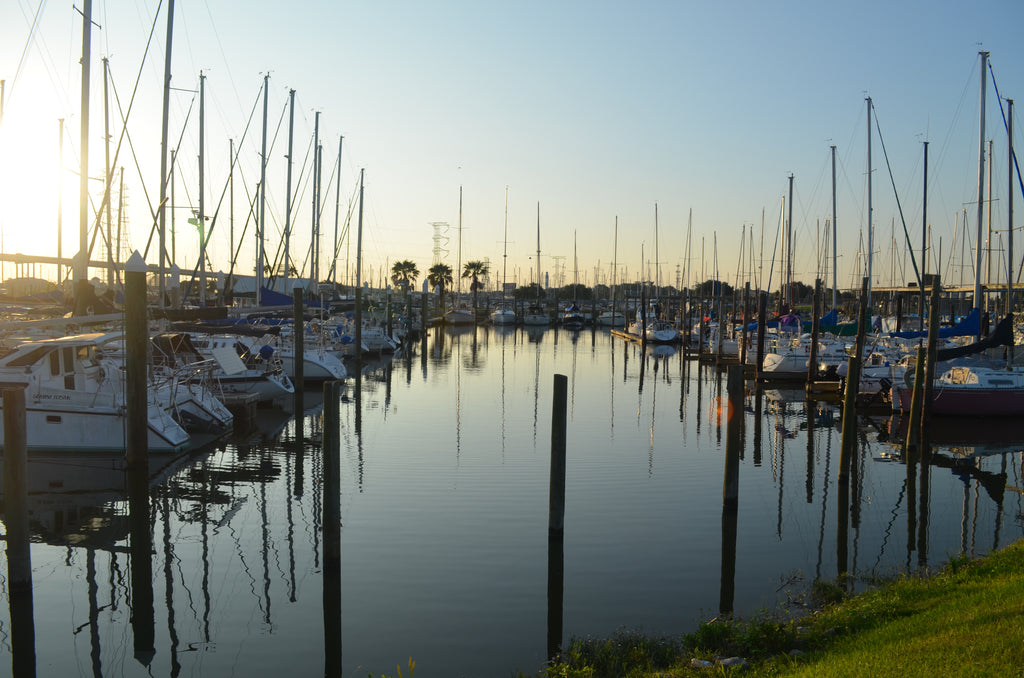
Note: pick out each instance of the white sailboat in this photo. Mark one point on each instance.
(75, 398)
(460, 315)
(504, 312)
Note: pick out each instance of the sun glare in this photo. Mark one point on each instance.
(28, 189)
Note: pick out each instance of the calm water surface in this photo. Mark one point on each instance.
(444, 460)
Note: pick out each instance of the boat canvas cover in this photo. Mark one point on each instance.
(970, 326)
(1002, 335)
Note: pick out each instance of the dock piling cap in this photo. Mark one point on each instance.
(135, 263)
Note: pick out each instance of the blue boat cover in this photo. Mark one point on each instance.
(830, 318)
(970, 326)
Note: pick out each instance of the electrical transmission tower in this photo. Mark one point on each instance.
(559, 260)
(440, 241)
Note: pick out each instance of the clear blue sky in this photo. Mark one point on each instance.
(594, 110)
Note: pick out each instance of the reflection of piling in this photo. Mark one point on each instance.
(141, 550)
(556, 505)
(298, 349)
(731, 488)
(19, 557)
(758, 411)
(842, 525)
(849, 432)
(811, 412)
(556, 579)
(332, 529)
(727, 592)
(137, 350)
(731, 485)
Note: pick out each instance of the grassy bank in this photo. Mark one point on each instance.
(967, 620)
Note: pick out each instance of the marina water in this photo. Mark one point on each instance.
(444, 458)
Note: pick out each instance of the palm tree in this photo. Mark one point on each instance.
(440, 276)
(404, 274)
(475, 270)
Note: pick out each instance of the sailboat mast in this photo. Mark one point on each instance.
(458, 272)
(835, 285)
(871, 221)
(789, 247)
(504, 255)
(60, 199)
(1009, 209)
(106, 167)
(263, 194)
(657, 259)
(689, 242)
(288, 184)
(163, 152)
(924, 235)
(202, 168)
(538, 251)
(615, 263)
(231, 208)
(337, 207)
(314, 266)
(81, 263)
(981, 182)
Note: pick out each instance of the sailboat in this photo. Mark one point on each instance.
(978, 387)
(504, 312)
(536, 315)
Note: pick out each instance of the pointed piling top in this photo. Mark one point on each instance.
(135, 264)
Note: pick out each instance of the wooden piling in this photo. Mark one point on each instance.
(141, 554)
(358, 349)
(745, 335)
(721, 325)
(762, 312)
(916, 402)
(556, 504)
(933, 339)
(812, 358)
(700, 331)
(388, 314)
(298, 351)
(136, 363)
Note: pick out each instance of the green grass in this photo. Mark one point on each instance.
(967, 620)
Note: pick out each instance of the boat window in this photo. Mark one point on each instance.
(69, 367)
(55, 363)
(30, 358)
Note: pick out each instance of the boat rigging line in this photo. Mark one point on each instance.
(899, 205)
